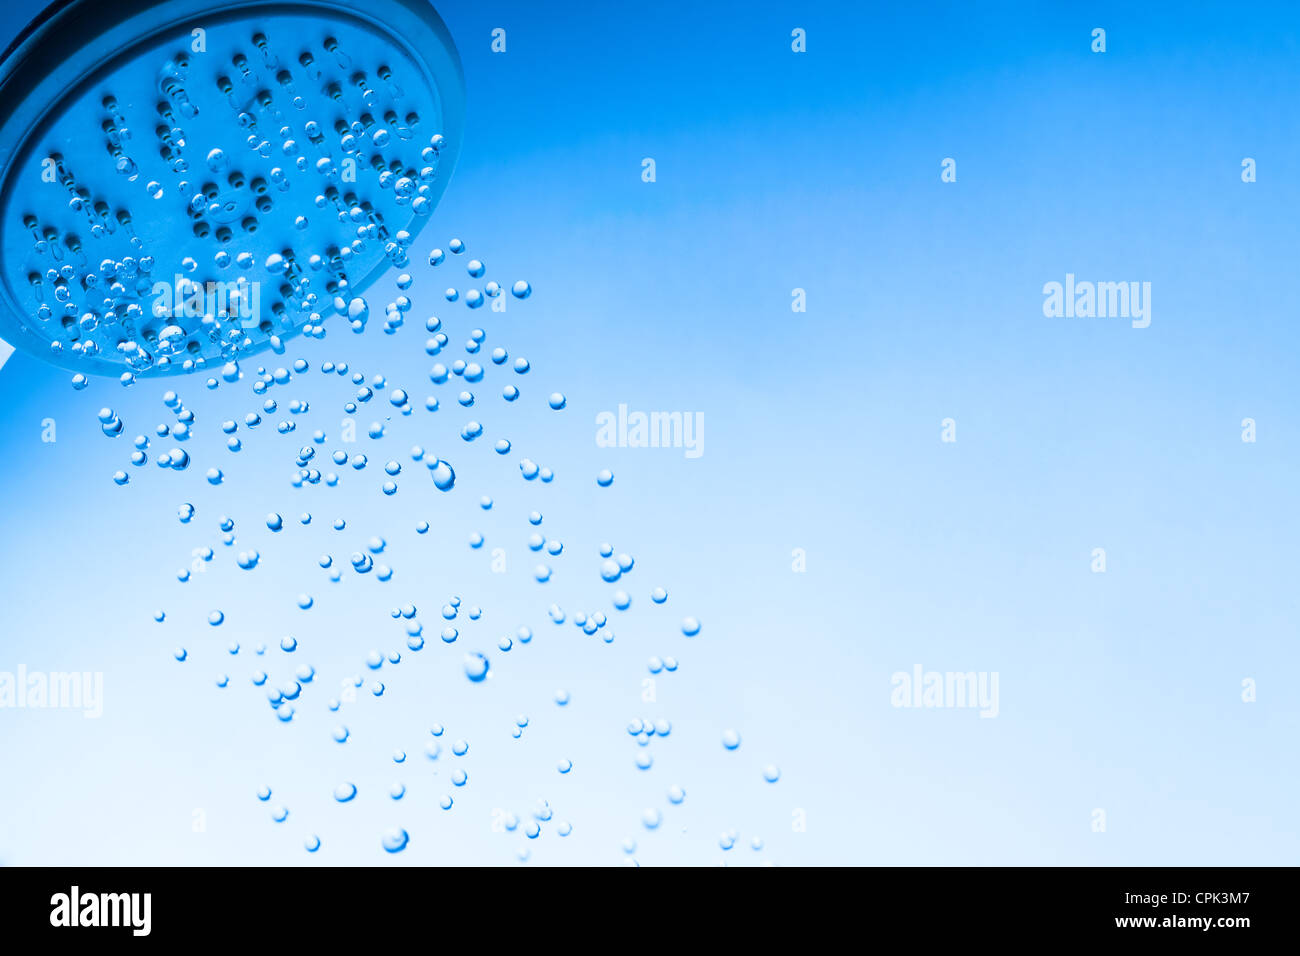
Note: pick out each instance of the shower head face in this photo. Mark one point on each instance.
(185, 183)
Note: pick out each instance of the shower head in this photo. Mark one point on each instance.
(185, 182)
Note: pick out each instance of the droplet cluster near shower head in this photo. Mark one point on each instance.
(182, 183)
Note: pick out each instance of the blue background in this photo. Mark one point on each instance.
(775, 170)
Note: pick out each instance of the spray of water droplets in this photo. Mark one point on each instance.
(263, 418)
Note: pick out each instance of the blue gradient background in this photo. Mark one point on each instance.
(822, 431)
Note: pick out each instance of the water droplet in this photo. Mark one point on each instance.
(476, 667)
(344, 792)
(444, 476)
